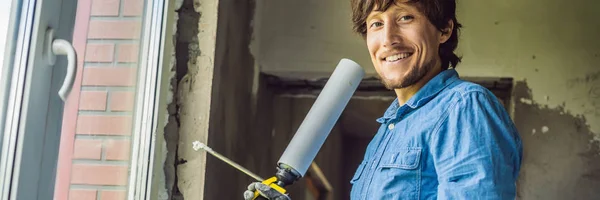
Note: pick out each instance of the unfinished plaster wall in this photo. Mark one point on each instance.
(560, 161)
(554, 58)
(195, 53)
(549, 47)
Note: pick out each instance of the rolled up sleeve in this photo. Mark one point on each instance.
(476, 150)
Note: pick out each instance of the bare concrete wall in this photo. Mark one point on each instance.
(195, 52)
(557, 107)
(561, 160)
(549, 47)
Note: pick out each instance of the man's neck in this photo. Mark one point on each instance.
(404, 94)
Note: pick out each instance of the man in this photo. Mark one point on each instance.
(442, 138)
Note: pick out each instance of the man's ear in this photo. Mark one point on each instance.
(447, 32)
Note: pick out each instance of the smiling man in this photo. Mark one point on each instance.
(442, 137)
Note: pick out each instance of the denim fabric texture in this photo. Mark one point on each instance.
(452, 140)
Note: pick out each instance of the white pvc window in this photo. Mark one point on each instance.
(107, 122)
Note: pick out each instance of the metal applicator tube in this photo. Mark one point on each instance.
(321, 118)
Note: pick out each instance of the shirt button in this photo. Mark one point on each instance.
(391, 126)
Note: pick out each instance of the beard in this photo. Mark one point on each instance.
(414, 75)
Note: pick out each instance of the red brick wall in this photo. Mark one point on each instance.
(98, 165)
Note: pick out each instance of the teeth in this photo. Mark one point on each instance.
(397, 57)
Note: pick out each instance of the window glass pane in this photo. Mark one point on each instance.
(8, 22)
(95, 153)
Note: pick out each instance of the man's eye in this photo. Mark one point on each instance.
(406, 18)
(376, 24)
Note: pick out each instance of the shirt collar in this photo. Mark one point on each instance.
(424, 95)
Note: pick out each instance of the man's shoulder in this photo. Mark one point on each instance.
(464, 89)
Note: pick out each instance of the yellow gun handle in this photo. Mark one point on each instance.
(271, 182)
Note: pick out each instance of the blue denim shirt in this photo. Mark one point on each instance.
(452, 140)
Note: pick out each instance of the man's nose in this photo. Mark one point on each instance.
(391, 35)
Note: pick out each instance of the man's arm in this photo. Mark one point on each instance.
(476, 150)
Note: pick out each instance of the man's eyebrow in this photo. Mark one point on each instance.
(401, 8)
(373, 14)
(376, 13)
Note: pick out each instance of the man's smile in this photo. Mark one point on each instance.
(397, 57)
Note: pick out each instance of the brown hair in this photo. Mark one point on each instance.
(439, 12)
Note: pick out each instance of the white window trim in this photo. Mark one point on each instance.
(147, 100)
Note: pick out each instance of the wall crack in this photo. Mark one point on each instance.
(186, 52)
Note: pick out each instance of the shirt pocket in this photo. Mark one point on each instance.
(407, 158)
(400, 173)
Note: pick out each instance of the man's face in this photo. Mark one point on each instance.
(403, 44)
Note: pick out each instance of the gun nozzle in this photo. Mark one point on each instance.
(197, 145)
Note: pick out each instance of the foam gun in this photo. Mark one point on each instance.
(313, 131)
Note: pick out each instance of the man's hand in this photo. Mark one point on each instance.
(265, 191)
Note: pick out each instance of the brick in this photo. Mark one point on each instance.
(127, 53)
(105, 8)
(87, 149)
(103, 125)
(133, 7)
(114, 29)
(87, 174)
(122, 101)
(109, 76)
(113, 195)
(93, 100)
(80, 194)
(99, 52)
(117, 149)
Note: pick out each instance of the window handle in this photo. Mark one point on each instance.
(62, 47)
